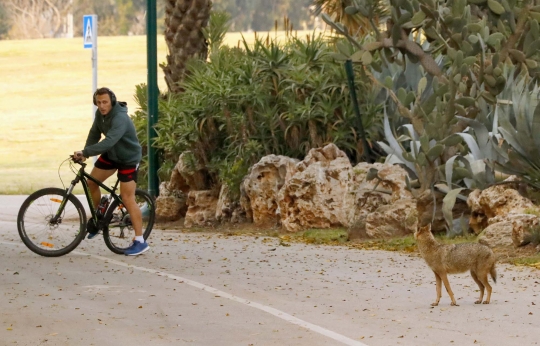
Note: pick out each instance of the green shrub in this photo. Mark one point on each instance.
(248, 102)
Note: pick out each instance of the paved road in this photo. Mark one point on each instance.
(213, 289)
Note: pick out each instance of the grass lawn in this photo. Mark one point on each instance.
(46, 103)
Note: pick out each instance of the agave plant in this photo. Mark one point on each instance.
(519, 122)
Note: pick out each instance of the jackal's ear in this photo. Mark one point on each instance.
(424, 229)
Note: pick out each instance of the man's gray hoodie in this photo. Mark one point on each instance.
(120, 143)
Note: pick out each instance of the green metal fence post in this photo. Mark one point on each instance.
(350, 78)
(153, 94)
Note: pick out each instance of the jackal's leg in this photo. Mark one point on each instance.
(483, 276)
(438, 280)
(480, 285)
(444, 279)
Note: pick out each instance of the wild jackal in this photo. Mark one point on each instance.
(457, 258)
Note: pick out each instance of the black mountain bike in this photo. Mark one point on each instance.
(52, 221)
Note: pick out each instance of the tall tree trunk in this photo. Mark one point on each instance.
(184, 21)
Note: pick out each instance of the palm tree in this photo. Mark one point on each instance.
(184, 23)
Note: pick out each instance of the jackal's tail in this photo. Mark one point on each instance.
(493, 273)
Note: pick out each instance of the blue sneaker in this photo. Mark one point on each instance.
(92, 229)
(136, 248)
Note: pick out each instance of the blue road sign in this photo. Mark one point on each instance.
(88, 32)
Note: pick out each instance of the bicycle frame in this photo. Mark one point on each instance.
(82, 176)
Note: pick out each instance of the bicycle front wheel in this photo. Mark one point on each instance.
(44, 236)
(118, 232)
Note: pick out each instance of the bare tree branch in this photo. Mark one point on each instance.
(38, 18)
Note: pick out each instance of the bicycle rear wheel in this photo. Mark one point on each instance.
(46, 238)
(118, 232)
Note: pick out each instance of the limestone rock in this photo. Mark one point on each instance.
(326, 154)
(201, 208)
(177, 182)
(170, 205)
(508, 201)
(186, 178)
(317, 195)
(245, 203)
(503, 199)
(521, 224)
(367, 201)
(393, 220)
(497, 235)
(392, 180)
(261, 187)
(224, 205)
(503, 214)
(228, 210)
(494, 201)
(478, 220)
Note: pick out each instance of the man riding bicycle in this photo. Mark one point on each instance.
(119, 151)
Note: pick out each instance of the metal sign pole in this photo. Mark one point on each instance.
(94, 59)
(90, 23)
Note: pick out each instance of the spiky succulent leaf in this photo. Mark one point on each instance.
(448, 204)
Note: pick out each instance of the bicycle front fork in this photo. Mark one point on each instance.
(57, 218)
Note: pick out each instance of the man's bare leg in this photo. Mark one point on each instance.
(127, 192)
(101, 175)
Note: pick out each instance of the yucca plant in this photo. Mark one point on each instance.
(214, 33)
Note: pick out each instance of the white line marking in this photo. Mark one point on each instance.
(278, 313)
(291, 319)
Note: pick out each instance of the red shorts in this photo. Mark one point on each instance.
(125, 173)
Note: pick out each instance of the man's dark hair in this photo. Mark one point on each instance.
(103, 91)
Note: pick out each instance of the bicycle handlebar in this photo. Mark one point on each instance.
(76, 160)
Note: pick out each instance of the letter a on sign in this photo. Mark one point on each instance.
(88, 31)
(88, 37)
